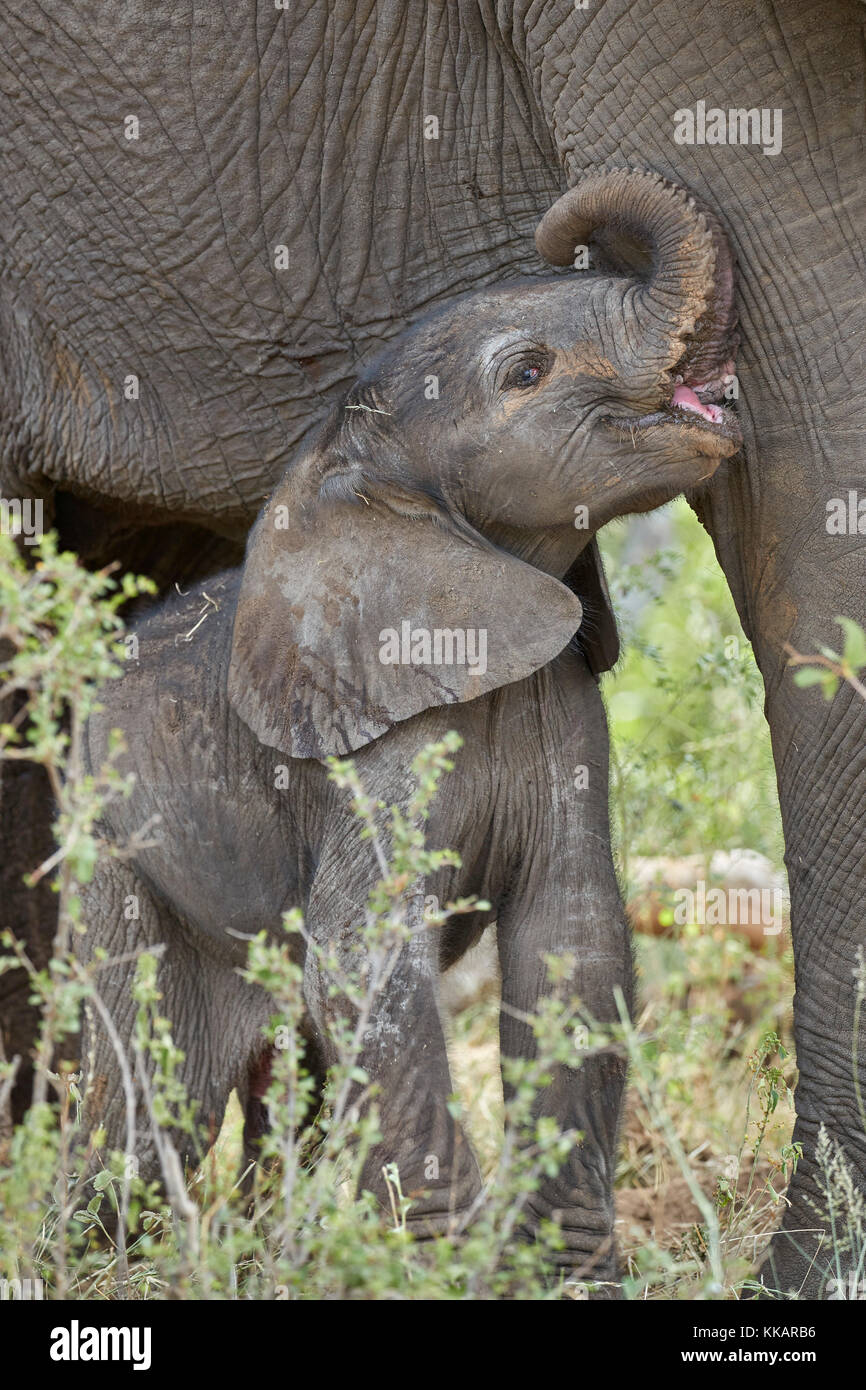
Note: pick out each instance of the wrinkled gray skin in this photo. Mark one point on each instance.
(304, 128)
(458, 513)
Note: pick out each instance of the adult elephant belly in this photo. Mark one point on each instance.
(206, 230)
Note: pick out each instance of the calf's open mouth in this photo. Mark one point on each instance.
(695, 409)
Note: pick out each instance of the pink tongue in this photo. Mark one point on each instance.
(686, 399)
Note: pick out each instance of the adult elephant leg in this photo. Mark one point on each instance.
(26, 813)
(402, 1052)
(614, 82)
(793, 549)
(30, 913)
(566, 902)
(791, 580)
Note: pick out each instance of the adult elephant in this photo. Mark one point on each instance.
(210, 217)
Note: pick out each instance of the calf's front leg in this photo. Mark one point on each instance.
(402, 1051)
(564, 901)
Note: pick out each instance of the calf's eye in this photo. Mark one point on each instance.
(526, 373)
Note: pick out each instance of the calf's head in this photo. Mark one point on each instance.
(471, 463)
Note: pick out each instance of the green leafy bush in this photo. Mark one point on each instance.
(709, 1108)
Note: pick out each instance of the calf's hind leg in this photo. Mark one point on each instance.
(216, 1017)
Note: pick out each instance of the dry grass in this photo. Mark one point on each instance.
(706, 1004)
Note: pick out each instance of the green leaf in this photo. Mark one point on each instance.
(809, 675)
(855, 643)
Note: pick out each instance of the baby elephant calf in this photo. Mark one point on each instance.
(425, 564)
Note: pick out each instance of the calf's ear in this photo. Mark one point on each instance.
(599, 639)
(341, 600)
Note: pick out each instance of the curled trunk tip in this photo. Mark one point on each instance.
(689, 292)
